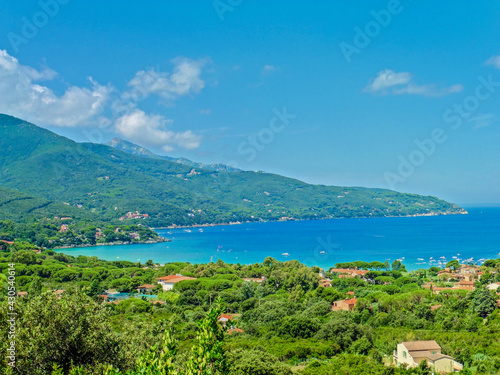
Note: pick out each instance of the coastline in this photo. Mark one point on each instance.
(162, 239)
(463, 212)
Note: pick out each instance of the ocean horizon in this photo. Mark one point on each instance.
(420, 242)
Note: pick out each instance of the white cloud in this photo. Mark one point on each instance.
(388, 78)
(483, 121)
(154, 130)
(390, 82)
(495, 61)
(269, 69)
(21, 95)
(428, 90)
(184, 80)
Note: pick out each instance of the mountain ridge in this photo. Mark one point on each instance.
(96, 181)
(134, 149)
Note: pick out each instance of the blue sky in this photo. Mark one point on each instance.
(390, 94)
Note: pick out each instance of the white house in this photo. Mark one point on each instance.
(414, 352)
(168, 282)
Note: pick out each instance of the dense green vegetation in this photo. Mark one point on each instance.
(285, 323)
(46, 175)
(57, 233)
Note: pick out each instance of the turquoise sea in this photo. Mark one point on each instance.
(418, 241)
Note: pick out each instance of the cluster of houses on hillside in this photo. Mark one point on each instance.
(134, 215)
(465, 273)
(461, 285)
(464, 278)
(100, 234)
(349, 273)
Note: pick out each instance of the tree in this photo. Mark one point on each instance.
(95, 286)
(299, 326)
(296, 294)
(70, 331)
(35, 287)
(455, 264)
(387, 265)
(256, 362)
(483, 303)
(397, 265)
(377, 265)
(208, 356)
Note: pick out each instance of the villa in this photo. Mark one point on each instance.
(224, 318)
(168, 282)
(412, 353)
(346, 304)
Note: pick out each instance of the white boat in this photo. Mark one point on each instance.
(187, 230)
(285, 254)
(420, 258)
(322, 252)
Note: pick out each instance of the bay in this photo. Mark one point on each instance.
(419, 241)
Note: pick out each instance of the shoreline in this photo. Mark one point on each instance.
(162, 239)
(463, 212)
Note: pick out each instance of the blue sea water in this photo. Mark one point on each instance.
(416, 240)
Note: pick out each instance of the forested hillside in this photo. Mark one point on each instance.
(98, 182)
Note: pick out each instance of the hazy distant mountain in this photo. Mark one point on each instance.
(44, 174)
(131, 148)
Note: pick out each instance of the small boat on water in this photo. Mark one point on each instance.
(322, 252)
(285, 254)
(420, 258)
(187, 230)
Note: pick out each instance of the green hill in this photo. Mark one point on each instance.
(93, 181)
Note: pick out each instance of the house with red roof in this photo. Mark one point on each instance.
(224, 318)
(346, 304)
(168, 282)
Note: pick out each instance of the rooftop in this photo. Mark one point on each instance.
(421, 345)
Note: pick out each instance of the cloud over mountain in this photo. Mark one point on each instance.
(24, 94)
